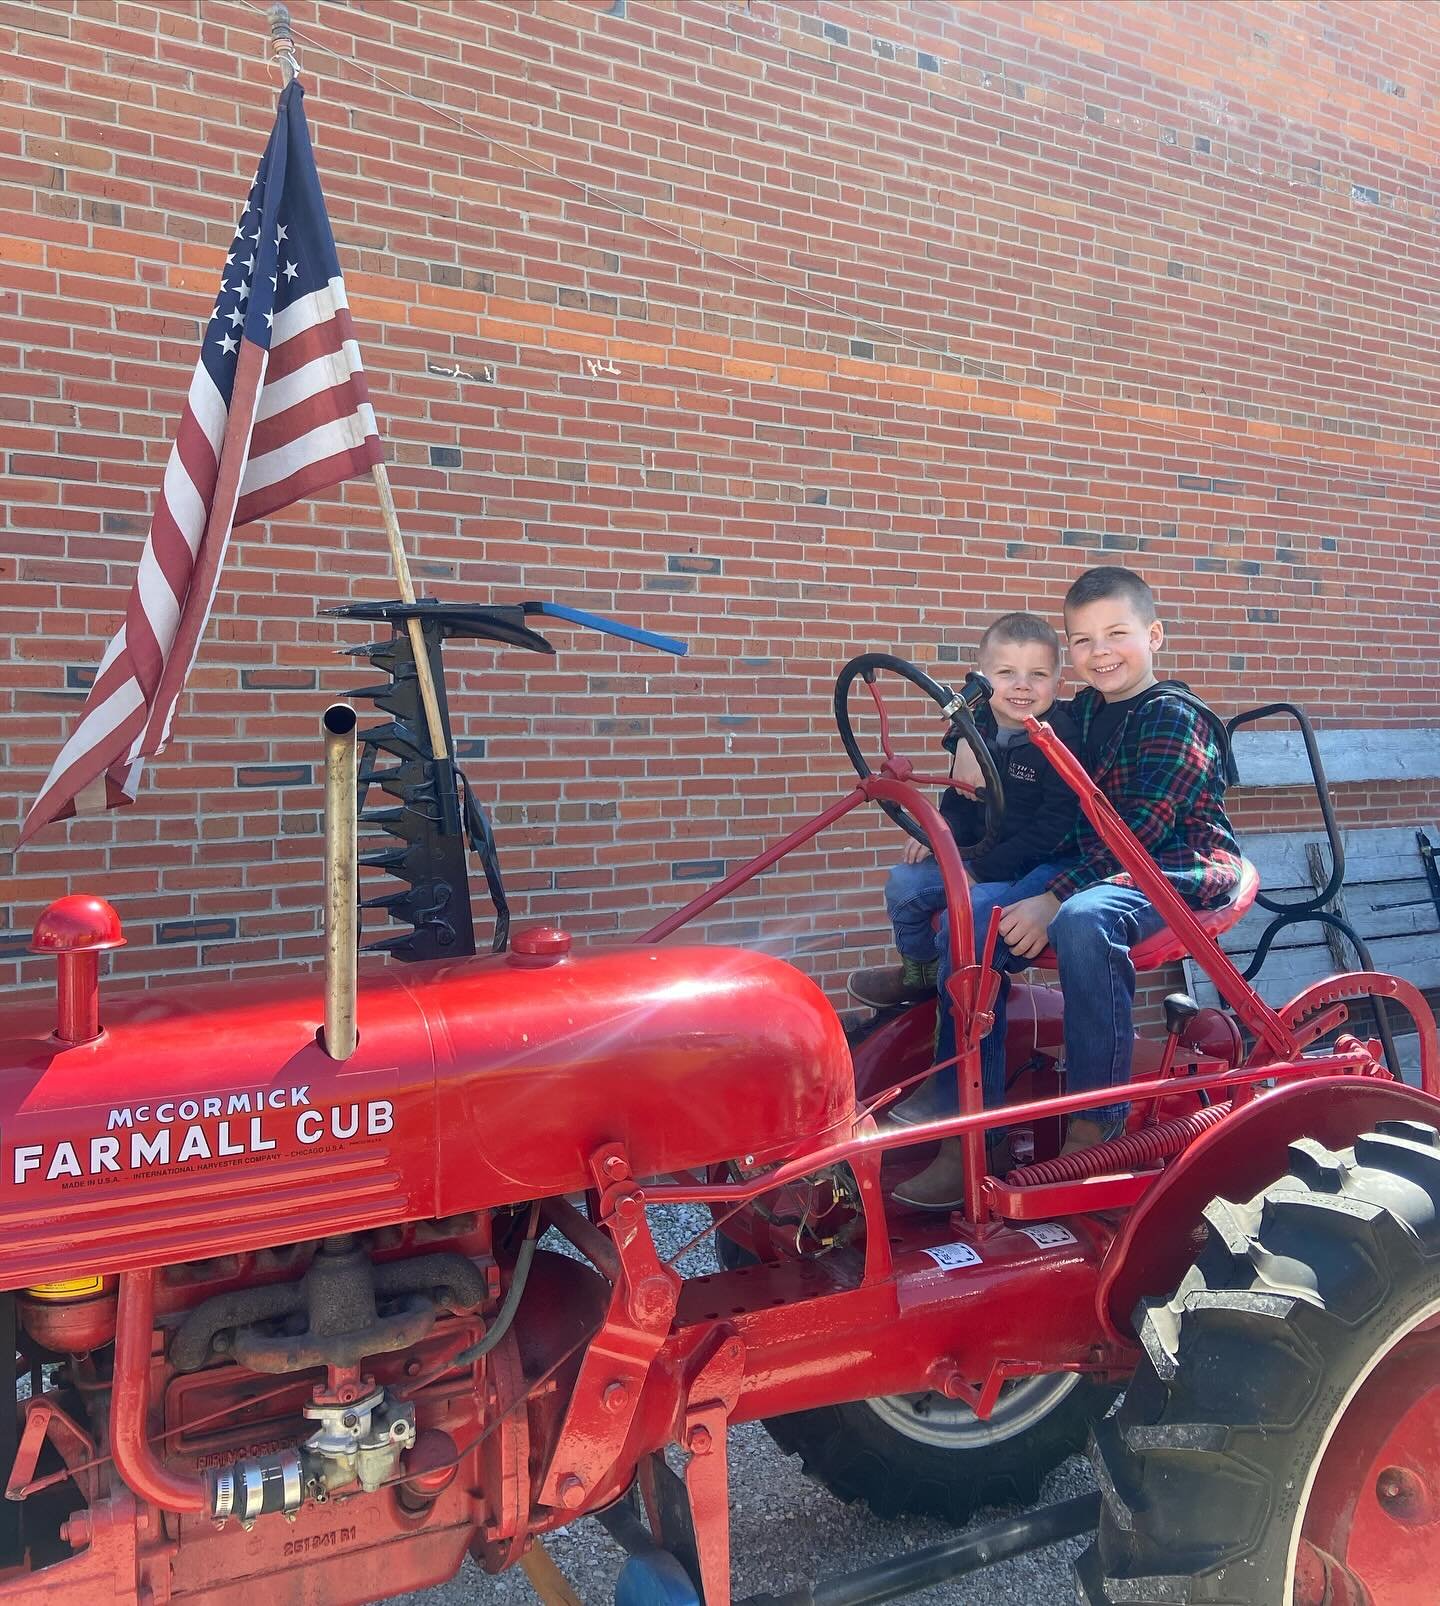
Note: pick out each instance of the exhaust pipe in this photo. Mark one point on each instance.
(342, 879)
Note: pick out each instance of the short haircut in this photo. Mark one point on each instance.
(1015, 628)
(1097, 585)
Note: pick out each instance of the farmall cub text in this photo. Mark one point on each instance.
(279, 1269)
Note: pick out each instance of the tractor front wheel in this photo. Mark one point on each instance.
(925, 1455)
(1280, 1442)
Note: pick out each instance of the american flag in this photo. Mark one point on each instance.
(277, 410)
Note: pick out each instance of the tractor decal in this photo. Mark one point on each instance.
(197, 1145)
(168, 1110)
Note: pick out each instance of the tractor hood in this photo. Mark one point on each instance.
(209, 1120)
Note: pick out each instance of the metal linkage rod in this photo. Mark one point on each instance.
(967, 1553)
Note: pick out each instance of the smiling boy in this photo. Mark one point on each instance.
(1020, 656)
(1160, 757)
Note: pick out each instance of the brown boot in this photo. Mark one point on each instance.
(888, 986)
(941, 1185)
(1083, 1133)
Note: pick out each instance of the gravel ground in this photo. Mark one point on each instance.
(786, 1530)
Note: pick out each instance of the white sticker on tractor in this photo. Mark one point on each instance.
(950, 1256)
(1047, 1234)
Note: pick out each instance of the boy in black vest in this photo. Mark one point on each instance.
(1020, 656)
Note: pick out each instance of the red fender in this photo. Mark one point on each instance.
(1236, 1159)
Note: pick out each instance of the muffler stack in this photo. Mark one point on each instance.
(341, 880)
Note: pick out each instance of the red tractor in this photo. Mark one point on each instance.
(276, 1276)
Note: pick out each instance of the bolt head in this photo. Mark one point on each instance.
(650, 1300)
(1403, 1496)
(616, 1396)
(572, 1492)
(614, 1167)
(700, 1441)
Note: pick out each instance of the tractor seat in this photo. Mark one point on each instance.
(1165, 947)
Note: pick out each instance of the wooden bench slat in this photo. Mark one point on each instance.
(1370, 855)
(1289, 971)
(1374, 924)
(1270, 758)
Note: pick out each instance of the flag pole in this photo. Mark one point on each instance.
(282, 54)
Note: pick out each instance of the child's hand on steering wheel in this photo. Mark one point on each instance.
(965, 768)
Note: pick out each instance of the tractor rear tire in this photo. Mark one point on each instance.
(1279, 1389)
(926, 1456)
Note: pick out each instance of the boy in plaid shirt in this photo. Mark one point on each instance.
(1161, 759)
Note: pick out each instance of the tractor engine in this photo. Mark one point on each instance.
(279, 1306)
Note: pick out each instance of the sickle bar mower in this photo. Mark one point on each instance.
(299, 1328)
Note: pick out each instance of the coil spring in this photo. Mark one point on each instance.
(1126, 1153)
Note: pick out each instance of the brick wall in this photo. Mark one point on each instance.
(988, 292)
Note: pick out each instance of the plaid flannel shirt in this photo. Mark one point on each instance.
(1164, 773)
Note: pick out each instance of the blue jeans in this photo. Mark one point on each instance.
(1092, 935)
(914, 895)
(985, 898)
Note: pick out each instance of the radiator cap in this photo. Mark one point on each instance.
(539, 945)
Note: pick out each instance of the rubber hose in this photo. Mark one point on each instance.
(511, 1303)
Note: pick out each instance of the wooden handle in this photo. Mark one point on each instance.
(401, 566)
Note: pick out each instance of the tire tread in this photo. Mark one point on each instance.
(1292, 1295)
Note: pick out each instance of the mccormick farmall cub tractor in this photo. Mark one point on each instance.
(280, 1274)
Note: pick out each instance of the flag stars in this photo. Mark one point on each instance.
(242, 290)
(290, 270)
(281, 233)
(229, 345)
(236, 316)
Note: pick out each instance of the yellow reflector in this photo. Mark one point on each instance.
(75, 1288)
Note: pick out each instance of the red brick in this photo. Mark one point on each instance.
(1116, 311)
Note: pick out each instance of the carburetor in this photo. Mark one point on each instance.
(357, 1440)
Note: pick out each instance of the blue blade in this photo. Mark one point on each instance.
(610, 627)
